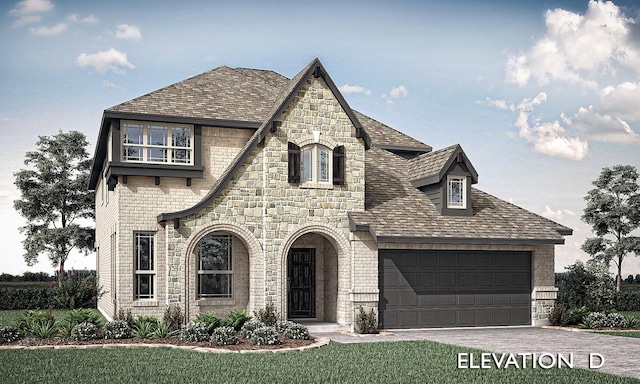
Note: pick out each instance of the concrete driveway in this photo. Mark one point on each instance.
(621, 354)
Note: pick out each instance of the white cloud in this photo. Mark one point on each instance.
(104, 61)
(351, 89)
(49, 31)
(399, 91)
(72, 18)
(27, 19)
(576, 48)
(556, 215)
(90, 19)
(500, 104)
(548, 138)
(128, 32)
(27, 7)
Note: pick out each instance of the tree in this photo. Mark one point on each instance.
(54, 197)
(638, 278)
(613, 212)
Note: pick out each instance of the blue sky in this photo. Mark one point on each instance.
(540, 94)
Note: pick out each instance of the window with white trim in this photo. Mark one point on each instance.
(456, 195)
(144, 266)
(157, 143)
(315, 164)
(215, 266)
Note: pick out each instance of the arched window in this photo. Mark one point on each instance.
(215, 266)
(316, 164)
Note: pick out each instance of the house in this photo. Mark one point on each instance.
(240, 187)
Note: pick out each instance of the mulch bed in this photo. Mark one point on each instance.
(245, 344)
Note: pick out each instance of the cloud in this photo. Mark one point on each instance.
(28, 7)
(549, 138)
(104, 61)
(556, 215)
(90, 19)
(128, 32)
(395, 93)
(577, 48)
(27, 19)
(49, 31)
(351, 89)
(500, 104)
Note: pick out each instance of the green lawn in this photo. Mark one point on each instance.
(8, 317)
(383, 362)
(635, 334)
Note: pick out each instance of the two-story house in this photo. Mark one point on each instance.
(239, 187)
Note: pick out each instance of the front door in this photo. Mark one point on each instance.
(302, 283)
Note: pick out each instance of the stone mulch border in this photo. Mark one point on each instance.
(320, 342)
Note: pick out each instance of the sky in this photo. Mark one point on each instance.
(540, 94)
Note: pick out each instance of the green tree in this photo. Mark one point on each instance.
(613, 212)
(54, 197)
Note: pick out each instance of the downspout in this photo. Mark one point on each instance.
(264, 221)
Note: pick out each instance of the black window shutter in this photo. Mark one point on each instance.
(294, 163)
(338, 165)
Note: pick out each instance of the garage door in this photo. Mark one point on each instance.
(422, 289)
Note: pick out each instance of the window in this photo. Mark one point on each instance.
(157, 143)
(456, 192)
(215, 266)
(144, 253)
(316, 164)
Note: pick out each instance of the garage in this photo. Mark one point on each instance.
(444, 288)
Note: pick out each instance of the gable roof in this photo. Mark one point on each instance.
(286, 95)
(383, 136)
(430, 168)
(396, 211)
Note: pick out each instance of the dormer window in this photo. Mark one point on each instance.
(316, 166)
(157, 143)
(456, 196)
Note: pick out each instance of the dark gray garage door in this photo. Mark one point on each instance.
(420, 289)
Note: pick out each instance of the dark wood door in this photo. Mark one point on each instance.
(302, 283)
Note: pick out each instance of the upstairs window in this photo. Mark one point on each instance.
(456, 192)
(316, 164)
(157, 143)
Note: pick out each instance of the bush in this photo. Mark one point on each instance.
(84, 332)
(587, 286)
(125, 316)
(9, 334)
(558, 315)
(268, 315)
(163, 331)
(283, 325)
(83, 315)
(194, 332)
(30, 320)
(236, 319)
(297, 332)
(632, 321)
(602, 320)
(249, 327)
(575, 316)
(366, 322)
(44, 330)
(224, 336)
(173, 317)
(76, 290)
(145, 326)
(12, 298)
(210, 319)
(628, 300)
(265, 336)
(117, 329)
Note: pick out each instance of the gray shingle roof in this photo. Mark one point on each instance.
(429, 164)
(383, 135)
(396, 209)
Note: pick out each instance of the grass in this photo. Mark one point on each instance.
(630, 313)
(383, 362)
(8, 317)
(634, 334)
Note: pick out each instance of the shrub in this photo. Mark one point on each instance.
(224, 335)
(9, 334)
(12, 298)
(78, 316)
(84, 332)
(265, 336)
(194, 332)
(210, 319)
(628, 300)
(44, 329)
(173, 317)
(558, 315)
(144, 329)
(163, 331)
(602, 320)
(283, 325)
(249, 327)
(575, 316)
(77, 290)
(632, 321)
(268, 315)
(30, 319)
(297, 332)
(117, 329)
(125, 316)
(587, 286)
(366, 322)
(236, 319)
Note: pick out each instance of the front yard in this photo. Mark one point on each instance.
(383, 362)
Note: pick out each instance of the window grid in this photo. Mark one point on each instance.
(144, 266)
(215, 266)
(316, 164)
(157, 143)
(456, 192)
